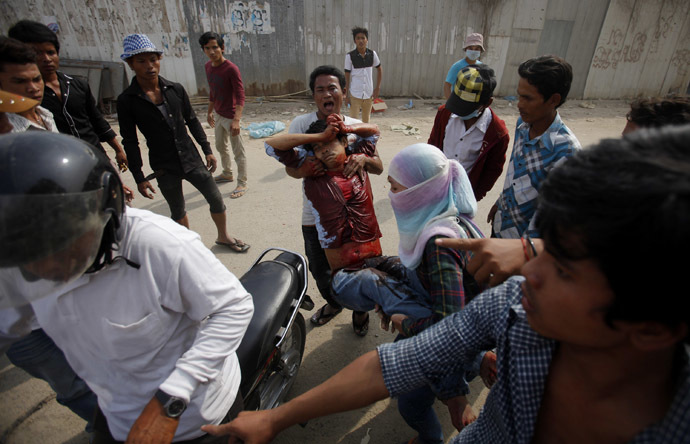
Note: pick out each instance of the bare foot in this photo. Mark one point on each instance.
(468, 415)
(461, 413)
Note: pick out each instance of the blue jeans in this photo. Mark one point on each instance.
(318, 264)
(391, 285)
(38, 355)
(416, 408)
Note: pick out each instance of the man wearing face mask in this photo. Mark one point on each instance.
(467, 130)
(473, 47)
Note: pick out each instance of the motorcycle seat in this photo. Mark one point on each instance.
(274, 286)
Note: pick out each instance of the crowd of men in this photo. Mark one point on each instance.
(135, 323)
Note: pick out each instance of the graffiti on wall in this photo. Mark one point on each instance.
(253, 17)
(176, 47)
(613, 51)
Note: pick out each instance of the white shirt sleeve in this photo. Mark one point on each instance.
(377, 62)
(348, 62)
(203, 289)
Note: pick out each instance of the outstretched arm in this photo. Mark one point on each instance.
(285, 142)
(357, 385)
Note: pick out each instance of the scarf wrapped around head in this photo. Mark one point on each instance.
(438, 191)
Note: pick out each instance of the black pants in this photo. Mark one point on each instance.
(318, 264)
(102, 432)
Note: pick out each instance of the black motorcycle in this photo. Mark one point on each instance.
(271, 352)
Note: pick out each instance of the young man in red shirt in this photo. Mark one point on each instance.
(226, 102)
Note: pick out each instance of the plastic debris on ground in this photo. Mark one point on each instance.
(258, 130)
(378, 106)
(406, 129)
(409, 105)
(365, 440)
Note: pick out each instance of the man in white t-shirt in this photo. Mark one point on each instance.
(327, 84)
(359, 65)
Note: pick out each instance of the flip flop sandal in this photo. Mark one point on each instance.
(237, 193)
(238, 246)
(362, 328)
(320, 318)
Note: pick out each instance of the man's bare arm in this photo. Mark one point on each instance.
(285, 142)
(357, 385)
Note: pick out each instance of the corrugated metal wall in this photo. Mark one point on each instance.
(618, 48)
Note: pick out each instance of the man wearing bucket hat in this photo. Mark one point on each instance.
(162, 111)
(467, 130)
(473, 47)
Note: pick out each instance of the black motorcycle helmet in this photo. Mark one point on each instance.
(61, 203)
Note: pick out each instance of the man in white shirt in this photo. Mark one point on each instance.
(466, 129)
(143, 311)
(359, 67)
(327, 84)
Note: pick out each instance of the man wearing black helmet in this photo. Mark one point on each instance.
(144, 312)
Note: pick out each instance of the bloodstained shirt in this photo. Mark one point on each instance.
(344, 207)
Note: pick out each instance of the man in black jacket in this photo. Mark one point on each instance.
(68, 98)
(162, 111)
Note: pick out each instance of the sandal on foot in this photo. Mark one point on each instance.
(360, 328)
(238, 192)
(237, 245)
(321, 317)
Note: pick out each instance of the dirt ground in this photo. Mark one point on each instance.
(269, 215)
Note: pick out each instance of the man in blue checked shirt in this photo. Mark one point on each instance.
(542, 142)
(588, 350)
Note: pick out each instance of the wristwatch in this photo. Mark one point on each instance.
(172, 405)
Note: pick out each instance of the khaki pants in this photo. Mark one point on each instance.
(223, 133)
(363, 104)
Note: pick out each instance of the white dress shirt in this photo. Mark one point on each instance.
(174, 324)
(463, 144)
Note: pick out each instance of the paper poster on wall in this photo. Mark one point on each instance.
(254, 17)
(51, 22)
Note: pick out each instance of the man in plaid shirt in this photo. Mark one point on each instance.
(542, 142)
(586, 352)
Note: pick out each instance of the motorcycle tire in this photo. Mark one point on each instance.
(275, 389)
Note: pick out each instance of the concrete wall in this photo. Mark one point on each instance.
(618, 48)
(644, 45)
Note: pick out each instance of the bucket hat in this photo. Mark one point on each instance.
(474, 39)
(136, 44)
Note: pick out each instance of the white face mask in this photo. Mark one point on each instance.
(473, 54)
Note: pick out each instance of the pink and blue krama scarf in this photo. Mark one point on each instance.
(438, 191)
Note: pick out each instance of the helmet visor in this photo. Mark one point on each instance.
(48, 241)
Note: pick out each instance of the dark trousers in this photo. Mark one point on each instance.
(102, 432)
(318, 264)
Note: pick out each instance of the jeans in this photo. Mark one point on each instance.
(38, 355)
(416, 408)
(318, 264)
(396, 290)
